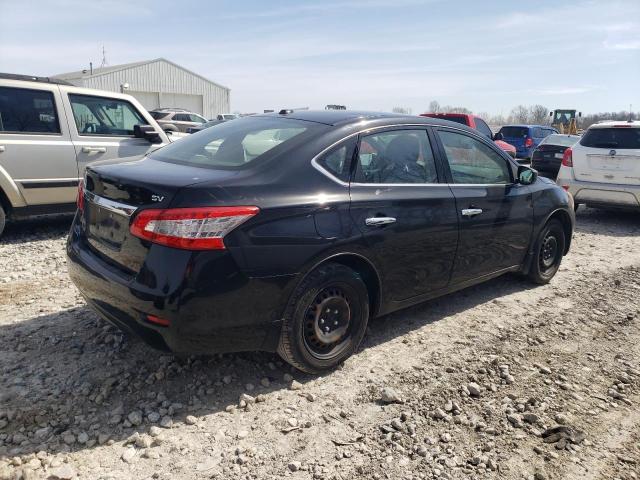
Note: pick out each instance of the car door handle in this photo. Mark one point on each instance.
(471, 212)
(94, 149)
(377, 221)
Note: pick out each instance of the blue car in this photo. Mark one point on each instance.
(525, 137)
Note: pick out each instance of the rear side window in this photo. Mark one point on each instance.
(397, 156)
(338, 160)
(514, 132)
(27, 111)
(620, 137)
(104, 116)
(235, 145)
(159, 115)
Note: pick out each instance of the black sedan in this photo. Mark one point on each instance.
(288, 232)
(547, 157)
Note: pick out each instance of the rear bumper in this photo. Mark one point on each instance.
(601, 194)
(212, 307)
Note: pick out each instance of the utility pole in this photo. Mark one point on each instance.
(104, 58)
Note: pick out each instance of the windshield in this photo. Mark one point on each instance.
(614, 137)
(562, 140)
(514, 132)
(234, 145)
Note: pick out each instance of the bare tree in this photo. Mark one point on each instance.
(538, 114)
(519, 114)
(402, 110)
(434, 106)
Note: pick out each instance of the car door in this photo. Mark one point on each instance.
(408, 219)
(35, 146)
(103, 129)
(495, 213)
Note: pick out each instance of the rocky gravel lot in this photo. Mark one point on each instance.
(504, 380)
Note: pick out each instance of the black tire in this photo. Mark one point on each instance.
(331, 290)
(3, 219)
(549, 250)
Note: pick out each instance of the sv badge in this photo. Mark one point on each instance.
(157, 198)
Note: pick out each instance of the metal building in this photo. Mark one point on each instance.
(157, 83)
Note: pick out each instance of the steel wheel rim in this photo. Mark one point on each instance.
(328, 323)
(548, 252)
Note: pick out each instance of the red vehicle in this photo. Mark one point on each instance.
(475, 122)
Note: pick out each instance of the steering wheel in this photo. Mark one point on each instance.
(90, 128)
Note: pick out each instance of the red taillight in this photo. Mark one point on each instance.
(201, 228)
(158, 320)
(80, 199)
(528, 142)
(567, 158)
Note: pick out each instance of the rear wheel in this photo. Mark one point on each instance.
(548, 254)
(325, 320)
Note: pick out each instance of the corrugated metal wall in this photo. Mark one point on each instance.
(163, 77)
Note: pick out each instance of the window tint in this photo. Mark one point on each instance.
(104, 116)
(514, 132)
(180, 117)
(234, 145)
(398, 156)
(27, 111)
(620, 137)
(471, 161)
(338, 160)
(483, 128)
(159, 115)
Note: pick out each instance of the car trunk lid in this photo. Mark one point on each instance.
(115, 193)
(616, 166)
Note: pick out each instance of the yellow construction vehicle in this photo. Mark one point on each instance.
(565, 121)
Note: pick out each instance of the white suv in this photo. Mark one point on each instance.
(603, 168)
(49, 132)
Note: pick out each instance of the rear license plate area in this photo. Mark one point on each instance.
(106, 227)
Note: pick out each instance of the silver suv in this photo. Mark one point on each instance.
(49, 132)
(178, 117)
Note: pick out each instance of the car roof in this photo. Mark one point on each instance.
(345, 117)
(523, 125)
(617, 123)
(31, 78)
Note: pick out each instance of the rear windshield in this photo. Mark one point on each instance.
(615, 137)
(561, 140)
(457, 119)
(234, 145)
(514, 132)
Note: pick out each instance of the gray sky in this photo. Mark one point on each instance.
(374, 55)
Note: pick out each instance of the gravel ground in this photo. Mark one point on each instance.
(503, 380)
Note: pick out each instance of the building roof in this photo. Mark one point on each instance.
(125, 66)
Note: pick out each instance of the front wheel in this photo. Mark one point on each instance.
(326, 319)
(548, 254)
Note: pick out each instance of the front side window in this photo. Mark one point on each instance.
(235, 145)
(197, 118)
(104, 116)
(397, 156)
(473, 162)
(27, 111)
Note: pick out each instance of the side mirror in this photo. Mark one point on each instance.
(526, 175)
(147, 132)
(498, 136)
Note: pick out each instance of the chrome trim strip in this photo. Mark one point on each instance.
(321, 169)
(111, 205)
